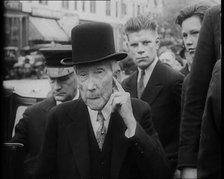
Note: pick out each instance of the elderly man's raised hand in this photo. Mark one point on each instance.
(120, 101)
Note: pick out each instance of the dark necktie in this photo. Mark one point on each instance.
(141, 84)
(101, 131)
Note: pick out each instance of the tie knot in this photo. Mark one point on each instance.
(100, 117)
(142, 72)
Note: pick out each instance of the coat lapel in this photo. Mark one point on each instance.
(132, 85)
(78, 136)
(119, 144)
(153, 87)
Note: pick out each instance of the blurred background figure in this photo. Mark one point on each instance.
(117, 71)
(128, 67)
(169, 58)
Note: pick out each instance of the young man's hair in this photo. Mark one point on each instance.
(197, 9)
(141, 22)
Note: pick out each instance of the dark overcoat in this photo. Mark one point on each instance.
(66, 146)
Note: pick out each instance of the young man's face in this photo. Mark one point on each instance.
(64, 88)
(143, 46)
(95, 83)
(190, 30)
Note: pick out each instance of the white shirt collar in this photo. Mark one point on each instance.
(106, 111)
(148, 71)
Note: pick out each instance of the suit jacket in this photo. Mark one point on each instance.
(30, 131)
(185, 70)
(66, 153)
(209, 155)
(183, 92)
(163, 94)
(206, 55)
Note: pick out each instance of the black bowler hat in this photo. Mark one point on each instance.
(93, 42)
(53, 56)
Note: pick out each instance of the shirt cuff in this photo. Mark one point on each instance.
(131, 133)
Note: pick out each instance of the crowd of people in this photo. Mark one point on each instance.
(161, 118)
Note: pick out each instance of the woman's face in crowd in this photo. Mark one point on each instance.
(190, 31)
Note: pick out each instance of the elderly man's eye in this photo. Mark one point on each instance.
(99, 71)
(145, 42)
(134, 45)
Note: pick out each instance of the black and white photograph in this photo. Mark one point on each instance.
(111, 89)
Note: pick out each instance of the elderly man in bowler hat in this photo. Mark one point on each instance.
(104, 134)
(31, 128)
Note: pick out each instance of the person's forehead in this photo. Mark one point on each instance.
(89, 66)
(145, 33)
(191, 23)
(65, 77)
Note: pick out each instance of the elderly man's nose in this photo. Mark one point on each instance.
(91, 84)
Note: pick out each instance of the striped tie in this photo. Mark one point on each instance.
(141, 84)
(101, 131)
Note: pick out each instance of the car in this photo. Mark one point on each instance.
(19, 95)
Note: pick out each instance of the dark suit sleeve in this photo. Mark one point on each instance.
(21, 130)
(207, 53)
(149, 151)
(48, 154)
(183, 92)
(176, 90)
(209, 155)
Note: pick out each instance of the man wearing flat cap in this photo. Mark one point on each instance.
(104, 134)
(30, 129)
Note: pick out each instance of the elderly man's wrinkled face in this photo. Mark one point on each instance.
(64, 88)
(95, 83)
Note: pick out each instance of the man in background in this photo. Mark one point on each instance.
(155, 83)
(31, 128)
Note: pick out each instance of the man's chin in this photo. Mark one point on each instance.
(95, 105)
(59, 98)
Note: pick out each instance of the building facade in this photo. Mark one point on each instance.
(46, 21)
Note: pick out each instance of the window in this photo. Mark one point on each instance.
(83, 5)
(133, 10)
(92, 6)
(116, 9)
(155, 3)
(123, 9)
(65, 4)
(43, 2)
(75, 5)
(108, 8)
(138, 10)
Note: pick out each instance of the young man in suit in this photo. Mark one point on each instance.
(105, 134)
(155, 83)
(206, 55)
(31, 128)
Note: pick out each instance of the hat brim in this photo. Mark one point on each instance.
(53, 72)
(116, 56)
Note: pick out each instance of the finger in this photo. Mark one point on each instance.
(118, 85)
(116, 103)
